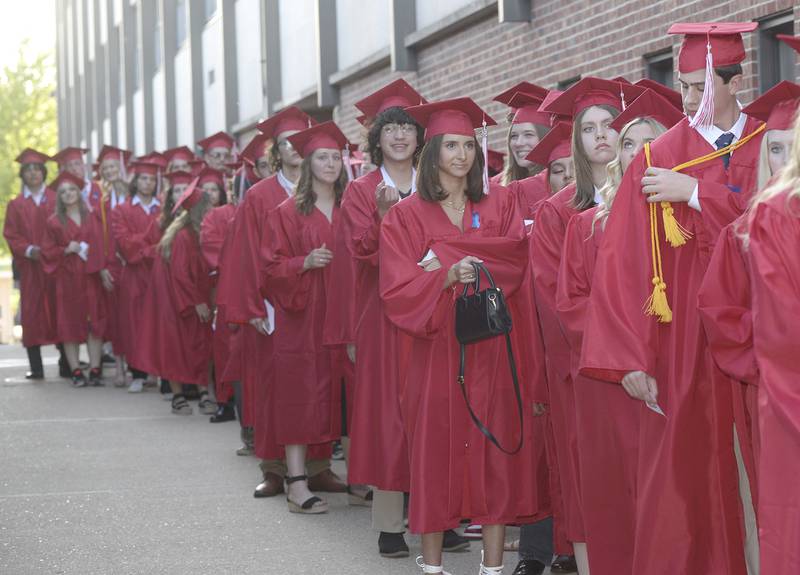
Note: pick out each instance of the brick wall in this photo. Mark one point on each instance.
(564, 39)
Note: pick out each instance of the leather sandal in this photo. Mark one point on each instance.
(311, 506)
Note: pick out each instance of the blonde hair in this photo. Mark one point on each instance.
(61, 209)
(788, 179)
(192, 217)
(609, 190)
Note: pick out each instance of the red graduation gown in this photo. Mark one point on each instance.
(725, 306)
(80, 305)
(25, 225)
(212, 237)
(547, 238)
(378, 449)
(607, 419)
(456, 472)
(173, 342)
(774, 254)
(530, 193)
(136, 235)
(306, 403)
(687, 475)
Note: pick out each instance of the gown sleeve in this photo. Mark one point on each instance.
(54, 242)
(620, 287)
(284, 279)
(134, 245)
(14, 231)
(186, 271)
(725, 306)
(574, 283)
(362, 223)
(774, 252)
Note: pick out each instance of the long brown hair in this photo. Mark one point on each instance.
(428, 186)
(192, 218)
(61, 209)
(304, 195)
(584, 184)
(512, 171)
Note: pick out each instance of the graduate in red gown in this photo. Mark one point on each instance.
(647, 289)
(527, 127)
(426, 245)
(178, 159)
(554, 154)
(71, 255)
(774, 237)
(607, 419)
(305, 404)
(725, 300)
(217, 150)
(378, 451)
(592, 103)
(239, 291)
(24, 229)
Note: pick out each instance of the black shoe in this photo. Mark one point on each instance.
(454, 542)
(96, 377)
(64, 370)
(225, 412)
(78, 379)
(529, 567)
(392, 545)
(564, 564)
(164, 387)
(108, 358)
(34, 375)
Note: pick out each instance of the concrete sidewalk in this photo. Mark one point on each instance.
(99, 481)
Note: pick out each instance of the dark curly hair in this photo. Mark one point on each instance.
(42, 168)
(394, 115)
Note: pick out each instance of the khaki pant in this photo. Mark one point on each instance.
(387, 511)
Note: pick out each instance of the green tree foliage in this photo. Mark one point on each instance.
(28, 118)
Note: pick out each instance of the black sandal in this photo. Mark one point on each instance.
(180, 406)
(311, 506)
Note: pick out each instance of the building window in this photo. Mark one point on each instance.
(210, 9)
(775, 58)
(565, 84)
(180, 23)
(660, 68)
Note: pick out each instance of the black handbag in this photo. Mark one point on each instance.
(483, 315)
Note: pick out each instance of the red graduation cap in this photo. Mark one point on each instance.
(196, 165)
(527, 109)
(218, 140)
(496, 161)
(69, 154)
(363, 120)
(727, 47)
(673, 96)
(31, 156)
(179, 177)
(325, 135)
(523, 87)
(777, 106)
(460, 116)
(620, 79)
(67, 177)
(549, 99)
(649, 105)
(190, 197)
(255, 149)
(291, 118)
(592, 91)
(179, 153)
(397, 94)
(155, 158)
(792, 41)
(208, 174)
(141, 166)
(556, 144)
(113, 153)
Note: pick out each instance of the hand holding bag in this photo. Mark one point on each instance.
(483, 315)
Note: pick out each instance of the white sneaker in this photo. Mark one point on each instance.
(136, 386)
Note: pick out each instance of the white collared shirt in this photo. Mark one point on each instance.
(38, 197)
(148, 209)
(285, 183)
(390, 182)
(711, 135)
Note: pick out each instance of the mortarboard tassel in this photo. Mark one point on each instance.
(704, 118)
(657, 304)
(485, 146)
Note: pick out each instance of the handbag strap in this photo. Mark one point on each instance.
(515, 379)
(476, 285)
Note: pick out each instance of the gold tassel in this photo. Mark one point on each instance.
(674, 232)
(657, 304)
